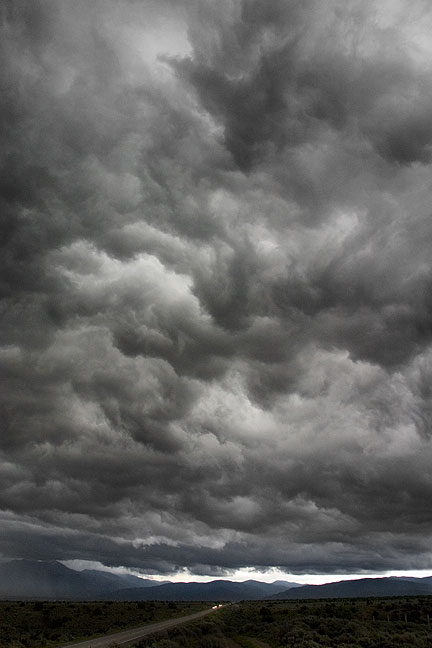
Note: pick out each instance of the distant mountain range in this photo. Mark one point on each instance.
(52, 580)
(27, 579)
(218, 590)
(361, 587)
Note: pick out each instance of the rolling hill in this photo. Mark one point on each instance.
(360, 588)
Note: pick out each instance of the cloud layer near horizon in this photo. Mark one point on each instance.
(216, 284)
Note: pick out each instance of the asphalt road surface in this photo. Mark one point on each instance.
(129, 636)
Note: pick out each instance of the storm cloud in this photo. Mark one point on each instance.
(216, 284)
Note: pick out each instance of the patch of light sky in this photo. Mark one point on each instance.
(240, 575)
(143, 43)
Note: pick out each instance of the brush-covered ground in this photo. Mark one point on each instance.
(43, 624)
(347, 623)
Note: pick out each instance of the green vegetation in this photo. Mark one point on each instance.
(347, 623)
(331, 623)
(206, 633)
(43, 624)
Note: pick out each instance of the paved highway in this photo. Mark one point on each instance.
(129, 636)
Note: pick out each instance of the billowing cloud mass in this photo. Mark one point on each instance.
(216, 284)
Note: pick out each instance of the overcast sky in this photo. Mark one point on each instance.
(216, 284)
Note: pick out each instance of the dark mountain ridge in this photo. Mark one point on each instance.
(27, 579)
(119, 581)
(52, 580)
(217, 590)
(362, 587)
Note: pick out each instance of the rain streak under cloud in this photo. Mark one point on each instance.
(216, 284)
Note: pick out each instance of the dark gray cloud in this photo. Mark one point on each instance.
(216, 284)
